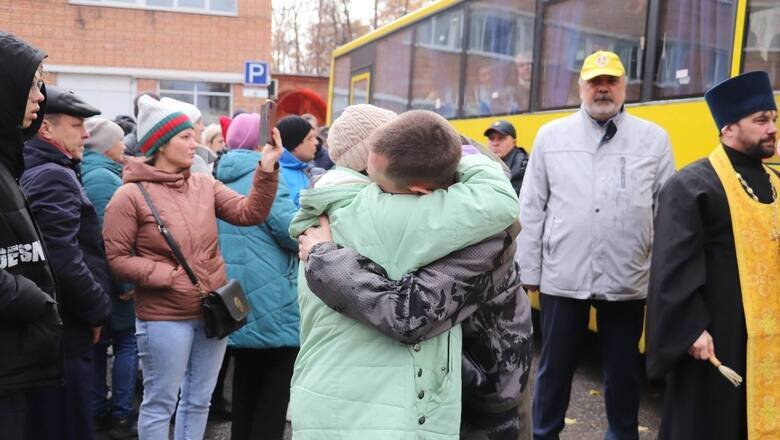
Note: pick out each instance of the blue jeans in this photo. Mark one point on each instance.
(122, 374)
(176, 355)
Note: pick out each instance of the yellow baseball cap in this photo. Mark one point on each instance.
(601, 63)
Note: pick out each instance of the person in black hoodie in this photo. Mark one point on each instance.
(71, 230)
(30, 327)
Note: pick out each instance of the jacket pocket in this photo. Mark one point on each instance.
(549, 232)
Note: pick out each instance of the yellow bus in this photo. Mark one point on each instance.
(481, 60)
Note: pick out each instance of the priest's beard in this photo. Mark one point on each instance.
(764, 148)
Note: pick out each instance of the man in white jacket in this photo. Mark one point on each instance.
(586, 208)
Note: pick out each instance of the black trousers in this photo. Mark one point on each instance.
(14, 408)
(65, 412)
(564, 321)
(261, 392)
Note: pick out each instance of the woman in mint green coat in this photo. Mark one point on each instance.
(264, 259)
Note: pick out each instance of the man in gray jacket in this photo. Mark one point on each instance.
(586, 208)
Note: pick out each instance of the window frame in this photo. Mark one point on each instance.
(195, 93)
(654, 7)
(141, 4)
(740, 69)
(357, 77)
(464, 69)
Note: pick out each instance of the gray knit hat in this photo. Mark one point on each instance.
(103, 134)
(347, 144)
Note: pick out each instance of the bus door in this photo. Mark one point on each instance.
(360, 87)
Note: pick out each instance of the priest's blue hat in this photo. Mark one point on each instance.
(737, 97)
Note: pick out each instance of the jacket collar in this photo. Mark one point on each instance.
(604, 131)
(38, 151)
(514, 155)
(138, 170)
(94, 160)
(289, 161)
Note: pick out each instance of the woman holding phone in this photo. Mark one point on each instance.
(176, 356)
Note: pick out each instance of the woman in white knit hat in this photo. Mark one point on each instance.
(347, 136)
(204, 159)
(177, 358)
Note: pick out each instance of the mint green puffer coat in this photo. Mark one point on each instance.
(350, 381)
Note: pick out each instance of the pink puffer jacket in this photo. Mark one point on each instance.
(189, 204)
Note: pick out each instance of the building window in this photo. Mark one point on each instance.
(499, 57)
(220, 7)
(694, 47)
(762, 45)
(212, 99)
(574, 29)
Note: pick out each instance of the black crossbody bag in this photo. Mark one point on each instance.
(224, 309)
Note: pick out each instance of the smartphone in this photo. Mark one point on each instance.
(267, 121)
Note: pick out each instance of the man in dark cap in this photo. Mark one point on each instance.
(502, 140)
(300, 146)
(715, 277)
(31, 331)
(71, 230)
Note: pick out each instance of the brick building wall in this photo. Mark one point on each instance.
(108, 54)
(74, 34)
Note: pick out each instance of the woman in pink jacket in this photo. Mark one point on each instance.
(176, 357)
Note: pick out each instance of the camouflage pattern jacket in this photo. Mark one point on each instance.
(477, 286)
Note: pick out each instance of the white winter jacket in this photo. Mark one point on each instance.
(586, 207)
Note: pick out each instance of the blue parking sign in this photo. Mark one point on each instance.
(256, 73)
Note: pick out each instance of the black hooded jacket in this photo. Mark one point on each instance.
(30, 327)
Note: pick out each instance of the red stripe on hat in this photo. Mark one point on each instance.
(162, 131)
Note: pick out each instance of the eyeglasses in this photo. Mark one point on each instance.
(36, 84)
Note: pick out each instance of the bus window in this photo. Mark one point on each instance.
(437, 51)
(499, 57)
(391, 71)
(341, 85)
(694, 46)
(762, 45)
(573, 29)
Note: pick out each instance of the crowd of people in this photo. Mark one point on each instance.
(386, 268)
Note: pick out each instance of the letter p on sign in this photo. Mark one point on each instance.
(256, 73)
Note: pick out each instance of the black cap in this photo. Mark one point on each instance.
(740, 96)
(293, 130)
(503, 127)
(66, 102)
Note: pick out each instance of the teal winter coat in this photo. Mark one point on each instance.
(101, 177)
(264, 259)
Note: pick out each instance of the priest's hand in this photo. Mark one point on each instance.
(703, 348)
(530, 288)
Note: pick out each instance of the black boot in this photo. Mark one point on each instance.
(123, 428)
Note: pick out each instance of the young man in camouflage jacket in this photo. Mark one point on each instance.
(477, 286)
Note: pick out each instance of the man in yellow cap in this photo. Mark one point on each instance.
(586, 208)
